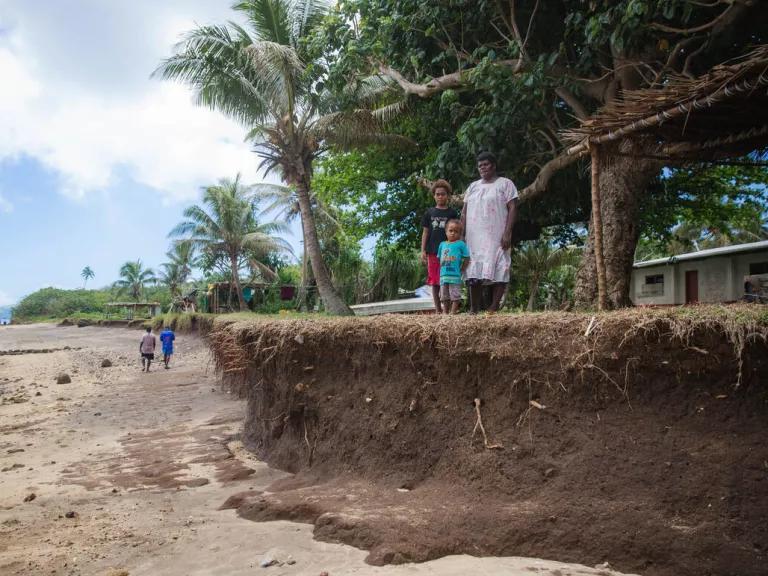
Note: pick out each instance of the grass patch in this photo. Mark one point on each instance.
(54, 319)
(182, 322)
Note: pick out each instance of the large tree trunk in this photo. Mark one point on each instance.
(236, 281)
(331, 299)
(624, 178)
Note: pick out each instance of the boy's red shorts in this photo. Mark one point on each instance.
(433, 270)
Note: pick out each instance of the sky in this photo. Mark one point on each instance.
(98, 160)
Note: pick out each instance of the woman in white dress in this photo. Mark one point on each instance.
(490, 209)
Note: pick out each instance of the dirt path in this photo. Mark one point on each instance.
(124, 472)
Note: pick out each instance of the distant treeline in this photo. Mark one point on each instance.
(58, 303)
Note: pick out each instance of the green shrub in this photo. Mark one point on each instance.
(58, 303)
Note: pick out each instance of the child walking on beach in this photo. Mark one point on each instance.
(454, 258)
(167, 337)
(433, 233)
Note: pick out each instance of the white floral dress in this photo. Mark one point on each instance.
(486, 218)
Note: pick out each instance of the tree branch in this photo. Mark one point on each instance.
(530, 23)
(439, 84)
(570, 98)
(689, 60)
(695, 29)
(546, 173)
(516, 30)
(674, 57)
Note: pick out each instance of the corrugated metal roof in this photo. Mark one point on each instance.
(701, 254)
(394, 306)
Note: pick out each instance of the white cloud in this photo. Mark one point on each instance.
(5, 205)
(92, 127)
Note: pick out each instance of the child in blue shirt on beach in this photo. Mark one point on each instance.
(167, 337)
(454, 258)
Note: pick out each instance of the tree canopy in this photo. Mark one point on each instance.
(462, 76)
(227, 227)
(133, 279)
(263, 76)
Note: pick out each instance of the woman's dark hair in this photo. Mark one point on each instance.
(485, 155)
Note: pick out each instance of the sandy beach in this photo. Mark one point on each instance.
(122, 473)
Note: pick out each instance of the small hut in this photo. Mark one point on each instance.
(221, 297)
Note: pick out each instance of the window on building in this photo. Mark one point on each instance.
(758, 268)
(653, 286)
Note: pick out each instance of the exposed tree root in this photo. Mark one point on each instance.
(479, 424)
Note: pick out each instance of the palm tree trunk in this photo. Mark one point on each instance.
(301, 299)
(333, 302)
(532, 296)
(236, 282)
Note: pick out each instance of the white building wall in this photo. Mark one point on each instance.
(643, 294)
(713, 279)
(721, 279)
(741, 268)
(733, 286)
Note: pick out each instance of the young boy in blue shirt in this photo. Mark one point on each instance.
(454, 258)
(167, 337)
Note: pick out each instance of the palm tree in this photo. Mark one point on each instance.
(282, 201)
(534, 260)
(693, 236)
(394, 269)
(689, 236)
(257, 77)
(86, 275)
(171, 276)
(133, 278)
(181, 256)
(227, 226)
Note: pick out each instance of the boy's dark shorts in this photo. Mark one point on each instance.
(148, 356)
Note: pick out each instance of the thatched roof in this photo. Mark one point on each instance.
(723, 113)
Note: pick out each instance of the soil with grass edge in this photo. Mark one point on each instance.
(635, 438)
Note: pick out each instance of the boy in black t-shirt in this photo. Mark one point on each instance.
(433, 232)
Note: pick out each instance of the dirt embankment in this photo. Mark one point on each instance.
(182, 323)
(636, 438)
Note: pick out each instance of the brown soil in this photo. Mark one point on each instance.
(123, 473)
(641, 443)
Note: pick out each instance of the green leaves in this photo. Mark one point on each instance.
(704, 206)
(86, 274)
(133, 278)
(228, 223)
(59, 303)
(268, 18)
